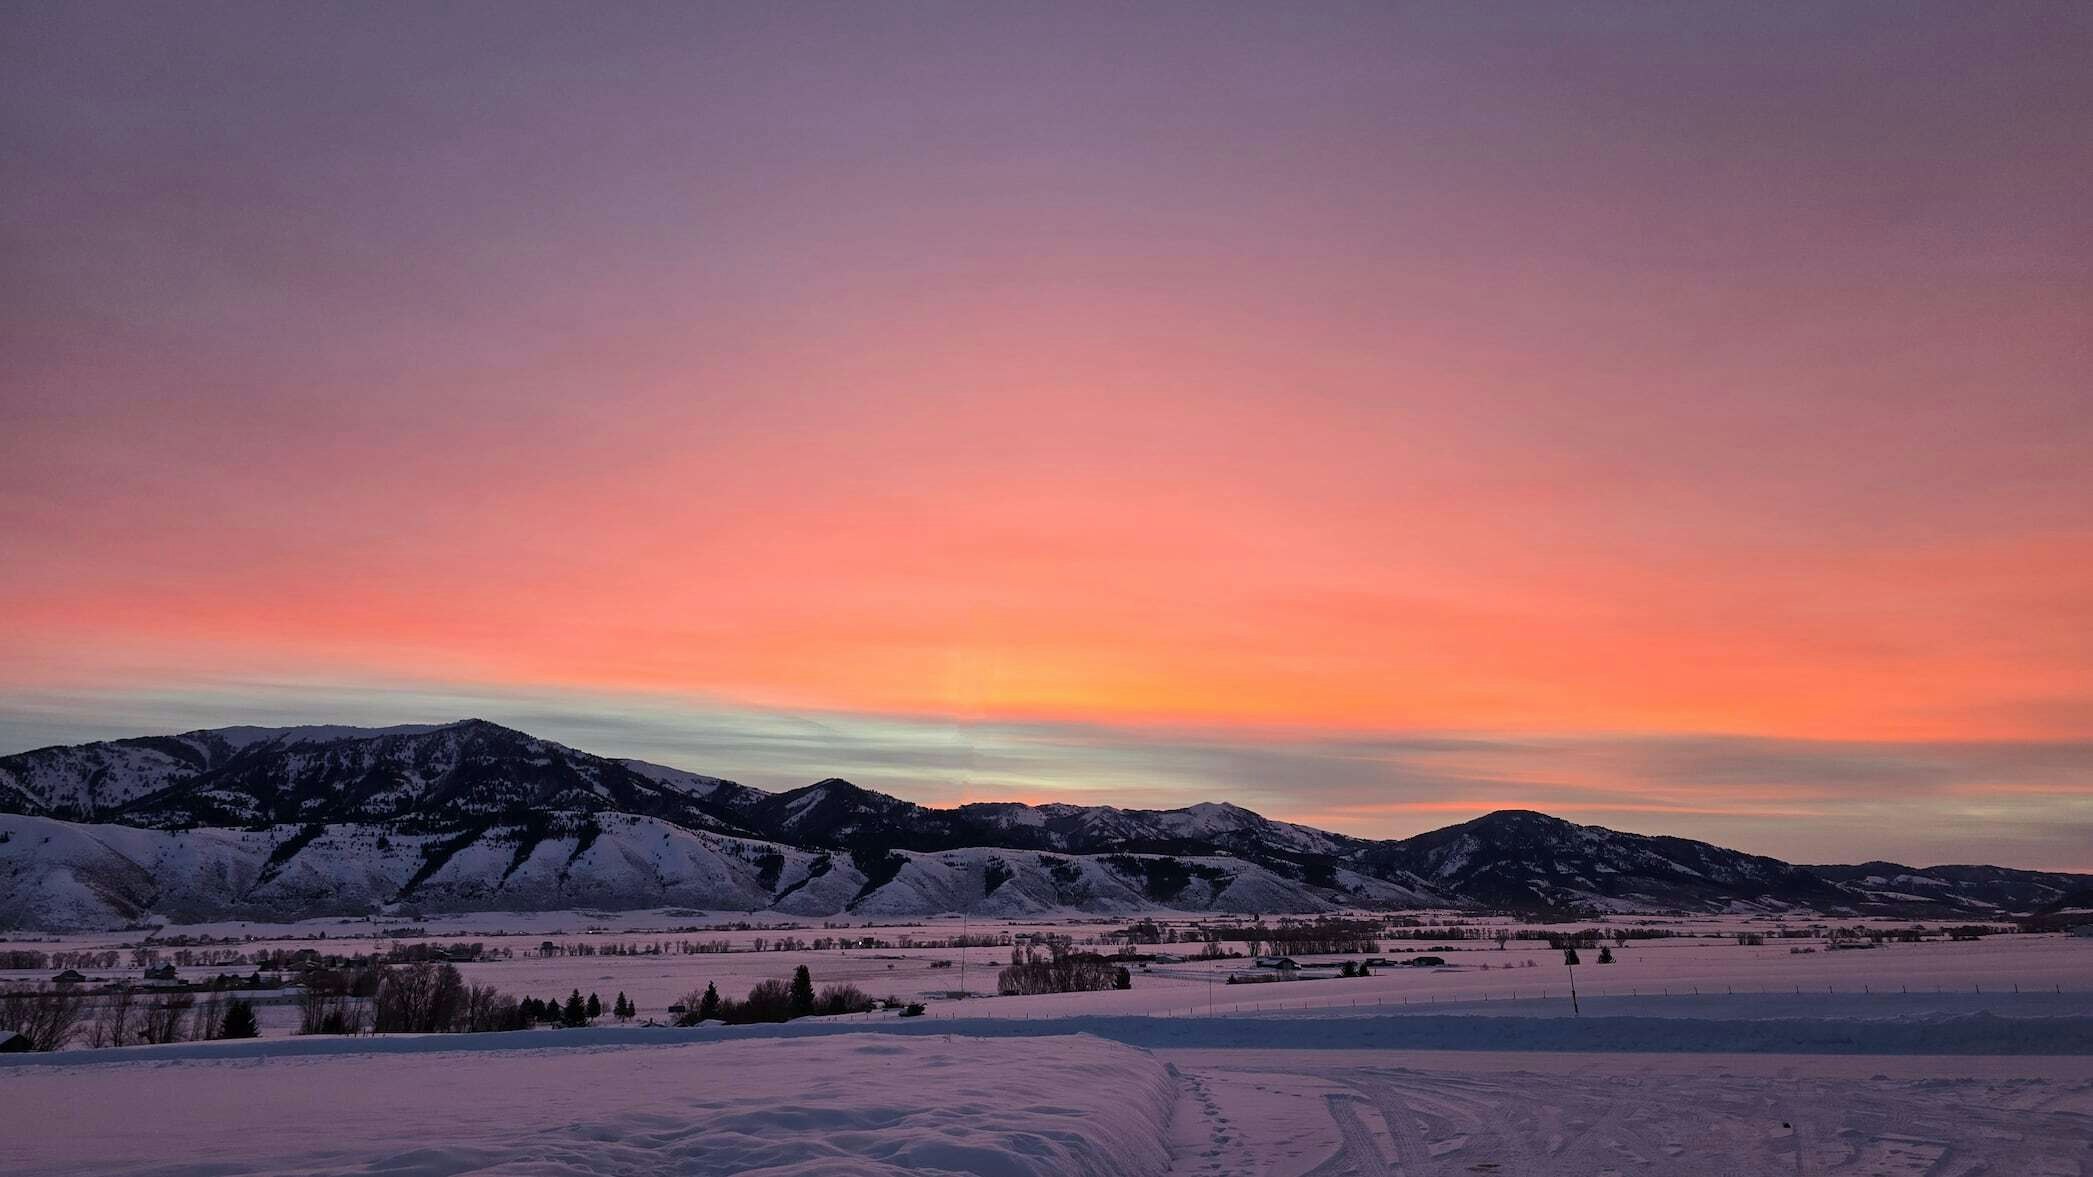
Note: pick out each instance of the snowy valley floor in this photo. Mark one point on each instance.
(1695, 1056)
(1179, 1096)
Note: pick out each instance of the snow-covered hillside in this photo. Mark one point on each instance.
(286, 822)
(63, 875)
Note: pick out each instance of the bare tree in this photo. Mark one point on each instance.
(165, 1021)
(47, 1015)
(205, 1020)
(425, 998)
(113, 1016)
(486, 1008)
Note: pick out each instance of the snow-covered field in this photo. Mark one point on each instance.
(1691, 1055)
(865, 1104)
(1708, 963)
(1016, 1097)
(1449, 1114)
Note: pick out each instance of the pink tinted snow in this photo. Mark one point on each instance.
(869, 1104)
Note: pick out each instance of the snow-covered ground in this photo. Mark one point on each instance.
(1447, 1114)
(866, 1104)
(1706, 965)
(1693, 1055)
(1311, 1094)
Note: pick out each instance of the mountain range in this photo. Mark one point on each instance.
(286, 823)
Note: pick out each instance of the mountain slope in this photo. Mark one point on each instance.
(285, 822)
(429, 779)
(1518, 858)
(64, 875)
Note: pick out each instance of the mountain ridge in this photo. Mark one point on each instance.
(472, 815)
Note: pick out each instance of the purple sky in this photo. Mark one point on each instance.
(1668, 416)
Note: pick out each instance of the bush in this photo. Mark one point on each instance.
(842, 999)
(769, 1001)
(914, 1010)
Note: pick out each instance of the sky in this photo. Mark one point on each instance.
(1670, 417)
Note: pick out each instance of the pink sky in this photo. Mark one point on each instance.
(1649, 377)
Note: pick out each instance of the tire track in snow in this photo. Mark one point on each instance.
(1362, 1156)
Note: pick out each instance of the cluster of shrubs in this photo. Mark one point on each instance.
(776, 1001)
(1060, 969)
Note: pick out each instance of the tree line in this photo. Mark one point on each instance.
(775, 1001)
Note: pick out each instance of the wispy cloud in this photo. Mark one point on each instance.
(2017, 803)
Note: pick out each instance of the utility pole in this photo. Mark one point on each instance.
(1575, 1012)
(962, 955)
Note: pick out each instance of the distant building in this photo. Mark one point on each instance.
(12, 1043)
(160, 972)
(1284, 963)
(69, 977)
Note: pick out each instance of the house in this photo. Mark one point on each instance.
(69, 977)
(13, 1043)
(160, 972)
(1283, 963)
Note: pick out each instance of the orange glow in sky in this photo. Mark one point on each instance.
(1304, 376)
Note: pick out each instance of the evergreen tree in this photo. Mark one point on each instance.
(708, 1005)
(802, 992)
(576, 1011)
(621, 1009)
(595, 1007)
(239, 1021)
(1606, 956)
(1569, 956)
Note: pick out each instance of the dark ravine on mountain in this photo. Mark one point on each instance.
(287, 823)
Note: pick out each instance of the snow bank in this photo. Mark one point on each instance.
(874, 1104)
(1968, 1034)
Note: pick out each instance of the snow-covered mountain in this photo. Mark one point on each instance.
(430, 778)
(290, 822)
(58, 875)
(1517, 858)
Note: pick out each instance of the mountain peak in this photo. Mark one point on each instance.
(1524, 820)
